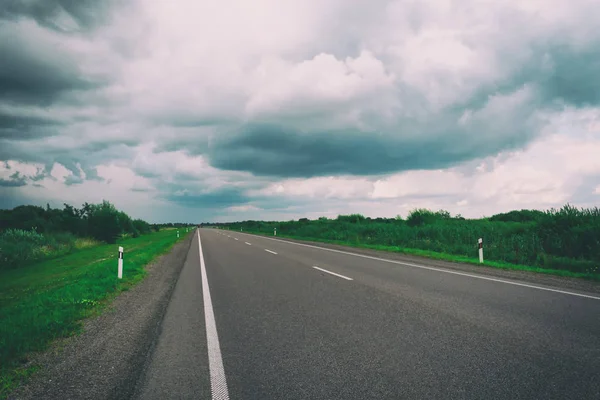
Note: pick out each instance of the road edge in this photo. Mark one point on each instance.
(553, 281)
(83, 367)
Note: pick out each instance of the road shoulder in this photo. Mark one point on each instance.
(105, 360)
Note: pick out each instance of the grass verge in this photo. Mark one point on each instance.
(445, 257)
(49, 299)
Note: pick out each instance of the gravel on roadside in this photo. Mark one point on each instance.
(105, 360)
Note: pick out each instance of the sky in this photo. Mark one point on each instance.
(198, 111)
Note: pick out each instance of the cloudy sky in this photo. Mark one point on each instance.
(200, 110)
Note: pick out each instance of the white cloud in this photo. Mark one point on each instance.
(547, 174)
(285, 88)
(243, 208)
(174, 78)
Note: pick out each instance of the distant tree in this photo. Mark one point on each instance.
(141, 226)
(443, 214)
(104, 222)
(352, 218)
(421, 216)
(519, 216)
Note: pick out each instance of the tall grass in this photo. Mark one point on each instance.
(564, 239)
(19, 247)
(48, 299)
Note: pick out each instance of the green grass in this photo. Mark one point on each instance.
(49, 300)
(444, 256)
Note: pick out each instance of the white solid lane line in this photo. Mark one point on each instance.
(333, 273)
(437, 269)
(218, 383)
(249, 244)
(270, 251)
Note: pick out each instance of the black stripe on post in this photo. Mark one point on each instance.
(121, 255)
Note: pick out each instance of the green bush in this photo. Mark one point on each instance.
(142, 226)
(28, 233)
(104, 223)
(19, 247)
(568, 238)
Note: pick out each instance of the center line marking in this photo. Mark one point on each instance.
(270, 251)
(218, 383)
(333, 273)
(249, 244)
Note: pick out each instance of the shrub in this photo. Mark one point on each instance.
(568, 238)
(19, 247)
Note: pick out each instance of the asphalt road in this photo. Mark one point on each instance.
(253, 318)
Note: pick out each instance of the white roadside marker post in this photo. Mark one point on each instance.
(481, 250)
(275, 232)
(120, 270)
(177, 234)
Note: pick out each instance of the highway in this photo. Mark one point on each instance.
(256, 318)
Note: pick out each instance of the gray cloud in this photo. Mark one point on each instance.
(219, 198)
(556, 75)
(572, 75)
(283, 152)
(73, 180)
(31, 72)
(16, 180)
(54, 109)
(86, 13)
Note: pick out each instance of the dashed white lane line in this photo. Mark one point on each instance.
(236, 239)
(249, 244)
(218, 383)
(333, 273)
(270, 251)
(436, 269)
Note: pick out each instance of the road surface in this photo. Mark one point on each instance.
(255, 318)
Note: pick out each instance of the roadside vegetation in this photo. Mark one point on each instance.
(563, 241)
(58, 267)
(49, 299)
(31, 233)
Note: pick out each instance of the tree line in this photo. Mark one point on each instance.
(29, 233)
(101, 221)
(567, 238)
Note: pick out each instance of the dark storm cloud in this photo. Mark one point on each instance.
(91, 174)
(556, 75)
(40, 174)
(73, 180)
(18, 128)
(16, 180)
(24, 121)
(32, 73)
(86, 13)
(572, 75)
(219, 198)
(277, 151)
